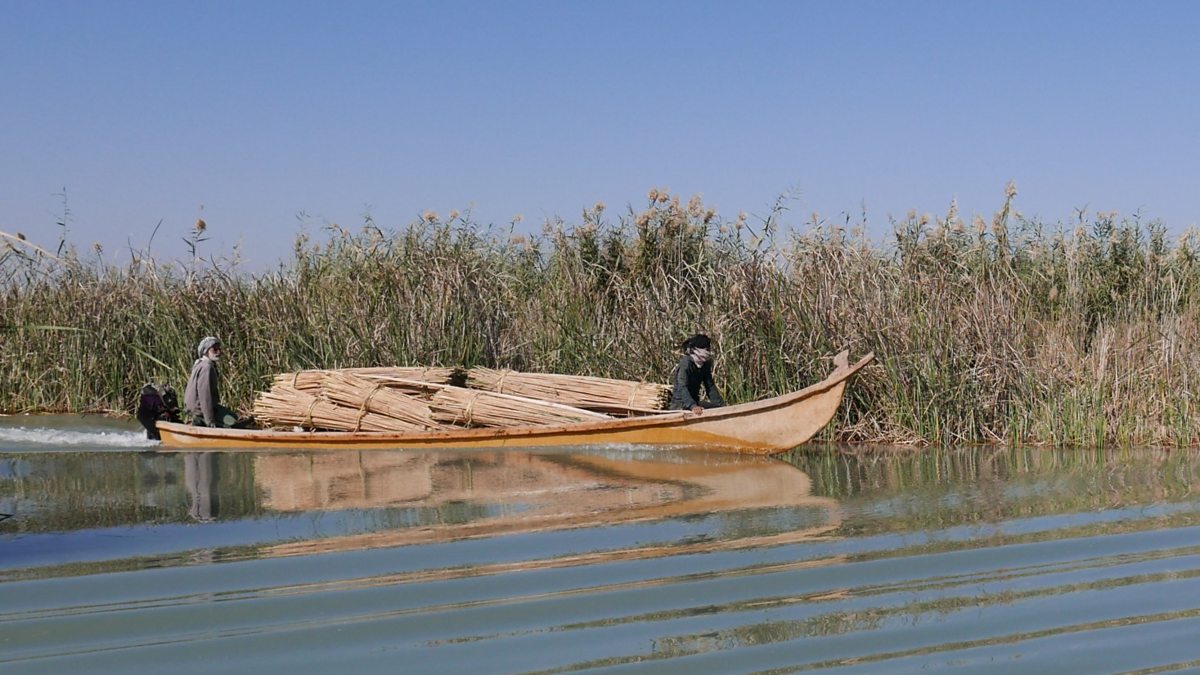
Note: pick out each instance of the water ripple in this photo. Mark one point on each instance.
(1078, 584)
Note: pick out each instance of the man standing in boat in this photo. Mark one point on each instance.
(201, 395)
(695, 369)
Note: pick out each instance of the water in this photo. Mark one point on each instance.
(122, 558)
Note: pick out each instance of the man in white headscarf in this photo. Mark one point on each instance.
(201, 398)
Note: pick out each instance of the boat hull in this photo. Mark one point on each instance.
(762, 427)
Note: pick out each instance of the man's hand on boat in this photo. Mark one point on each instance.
(697, 410)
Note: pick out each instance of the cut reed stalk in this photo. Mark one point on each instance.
(288, 407)
(471, 407)
(621, 397)
(353, 391)
(386, 403)
(311, 380)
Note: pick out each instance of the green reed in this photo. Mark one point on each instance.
(1000, 331)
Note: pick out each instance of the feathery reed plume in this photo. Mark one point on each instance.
(1080, 332)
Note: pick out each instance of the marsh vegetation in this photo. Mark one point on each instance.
(1007, 330)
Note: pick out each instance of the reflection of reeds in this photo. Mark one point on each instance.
(951, 486)
(1006, 330)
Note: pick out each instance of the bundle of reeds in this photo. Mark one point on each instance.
(471, 407)
(622, 397)
(411, 399)
(419, 388)
(285, 406)
(311, 380)
(346, 389)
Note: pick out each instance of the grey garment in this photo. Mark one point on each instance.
(200, 397)
(226, 418)
(688, 379)
(198, 476)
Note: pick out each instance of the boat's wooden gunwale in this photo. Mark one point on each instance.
(680, 428)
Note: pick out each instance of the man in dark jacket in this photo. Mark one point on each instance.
(158, 404)
(695, 369)
(202, 394)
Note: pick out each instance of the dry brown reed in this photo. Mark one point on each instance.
(470, 407)
(1074, 333)
(339, 400)
(312, 380)
(620, 397)
(287, 407)
(349, 390)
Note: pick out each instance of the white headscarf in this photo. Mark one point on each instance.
(205, 345)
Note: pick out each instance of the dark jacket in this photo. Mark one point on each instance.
(688, 378)
(200, 397)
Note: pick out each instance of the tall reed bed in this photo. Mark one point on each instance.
(1007, 330)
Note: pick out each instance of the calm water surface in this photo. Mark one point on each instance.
(121, 558)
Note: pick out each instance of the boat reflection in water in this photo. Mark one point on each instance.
(121, 511)
(450, 496)
(198, 474)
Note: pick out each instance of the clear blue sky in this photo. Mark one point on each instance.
(249, 113)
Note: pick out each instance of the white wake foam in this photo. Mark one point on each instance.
(63, 437)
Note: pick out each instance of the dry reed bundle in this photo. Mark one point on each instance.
(349, 390)
(420, 388)
(382, 399)
(288, 407)
(590, 393)
(471, 407)
(311, 380)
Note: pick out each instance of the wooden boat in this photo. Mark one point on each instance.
(762, 427)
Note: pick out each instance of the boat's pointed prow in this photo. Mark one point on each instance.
(842, 360)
